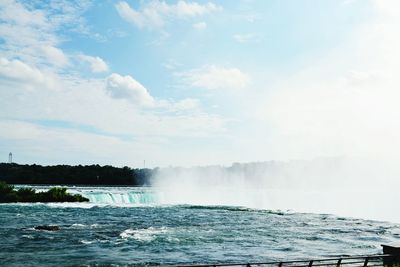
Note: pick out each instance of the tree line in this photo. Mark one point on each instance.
(9, 194)
(13, 173)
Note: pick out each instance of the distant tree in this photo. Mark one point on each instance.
(26, 194)
(78, 175)
(7, 193)
(57, 194)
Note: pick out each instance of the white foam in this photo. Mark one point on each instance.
(143, 235)
(83, 205)
(78, 225)
(86, 242)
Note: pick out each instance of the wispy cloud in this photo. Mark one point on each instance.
(214, 77)
(200, 25)
(18, 73)
(246, 38)
(31, 34)
(96, 64)
(55, 56)
(155, 14)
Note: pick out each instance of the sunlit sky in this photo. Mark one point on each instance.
(187, 83)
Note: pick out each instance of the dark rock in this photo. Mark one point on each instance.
(47, 227)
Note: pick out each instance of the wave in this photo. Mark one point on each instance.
(143, 235)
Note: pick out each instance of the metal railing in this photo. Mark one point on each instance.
(356, 261)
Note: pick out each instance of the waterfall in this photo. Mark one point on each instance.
(121, 197)
(104, 195)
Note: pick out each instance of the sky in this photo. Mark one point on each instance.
(184, 83)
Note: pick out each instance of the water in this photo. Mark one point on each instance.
(128, 226)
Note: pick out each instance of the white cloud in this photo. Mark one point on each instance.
(171, 64)
(186, 104)
(25, 32)
(155, 13)
(200, 25)
(85, 102)
(55, 56)
(16, 13)
(126, 132)
(31, 35)
(129, 14)
(213, 77)
(246, 38)
(186, 9)
(97, 64)
(15, 71)
(125, 87)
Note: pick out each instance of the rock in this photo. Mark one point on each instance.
(47, 227)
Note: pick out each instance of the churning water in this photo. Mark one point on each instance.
(129, 226)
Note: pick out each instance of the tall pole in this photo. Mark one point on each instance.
(10, 157)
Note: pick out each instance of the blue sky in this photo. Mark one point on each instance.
(197, 82)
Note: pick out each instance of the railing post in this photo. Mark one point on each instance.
(339, 262)
(310, 263)
(394, 251)
(366, 262)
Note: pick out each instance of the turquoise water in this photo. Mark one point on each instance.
(127, 226)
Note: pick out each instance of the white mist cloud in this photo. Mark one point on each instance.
(342, 103)
(325, 185)
(155, 13)
(215, 78)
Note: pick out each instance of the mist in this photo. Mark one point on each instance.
(340, 186)
(338, 113)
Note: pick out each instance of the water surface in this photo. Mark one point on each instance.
(126, 226)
